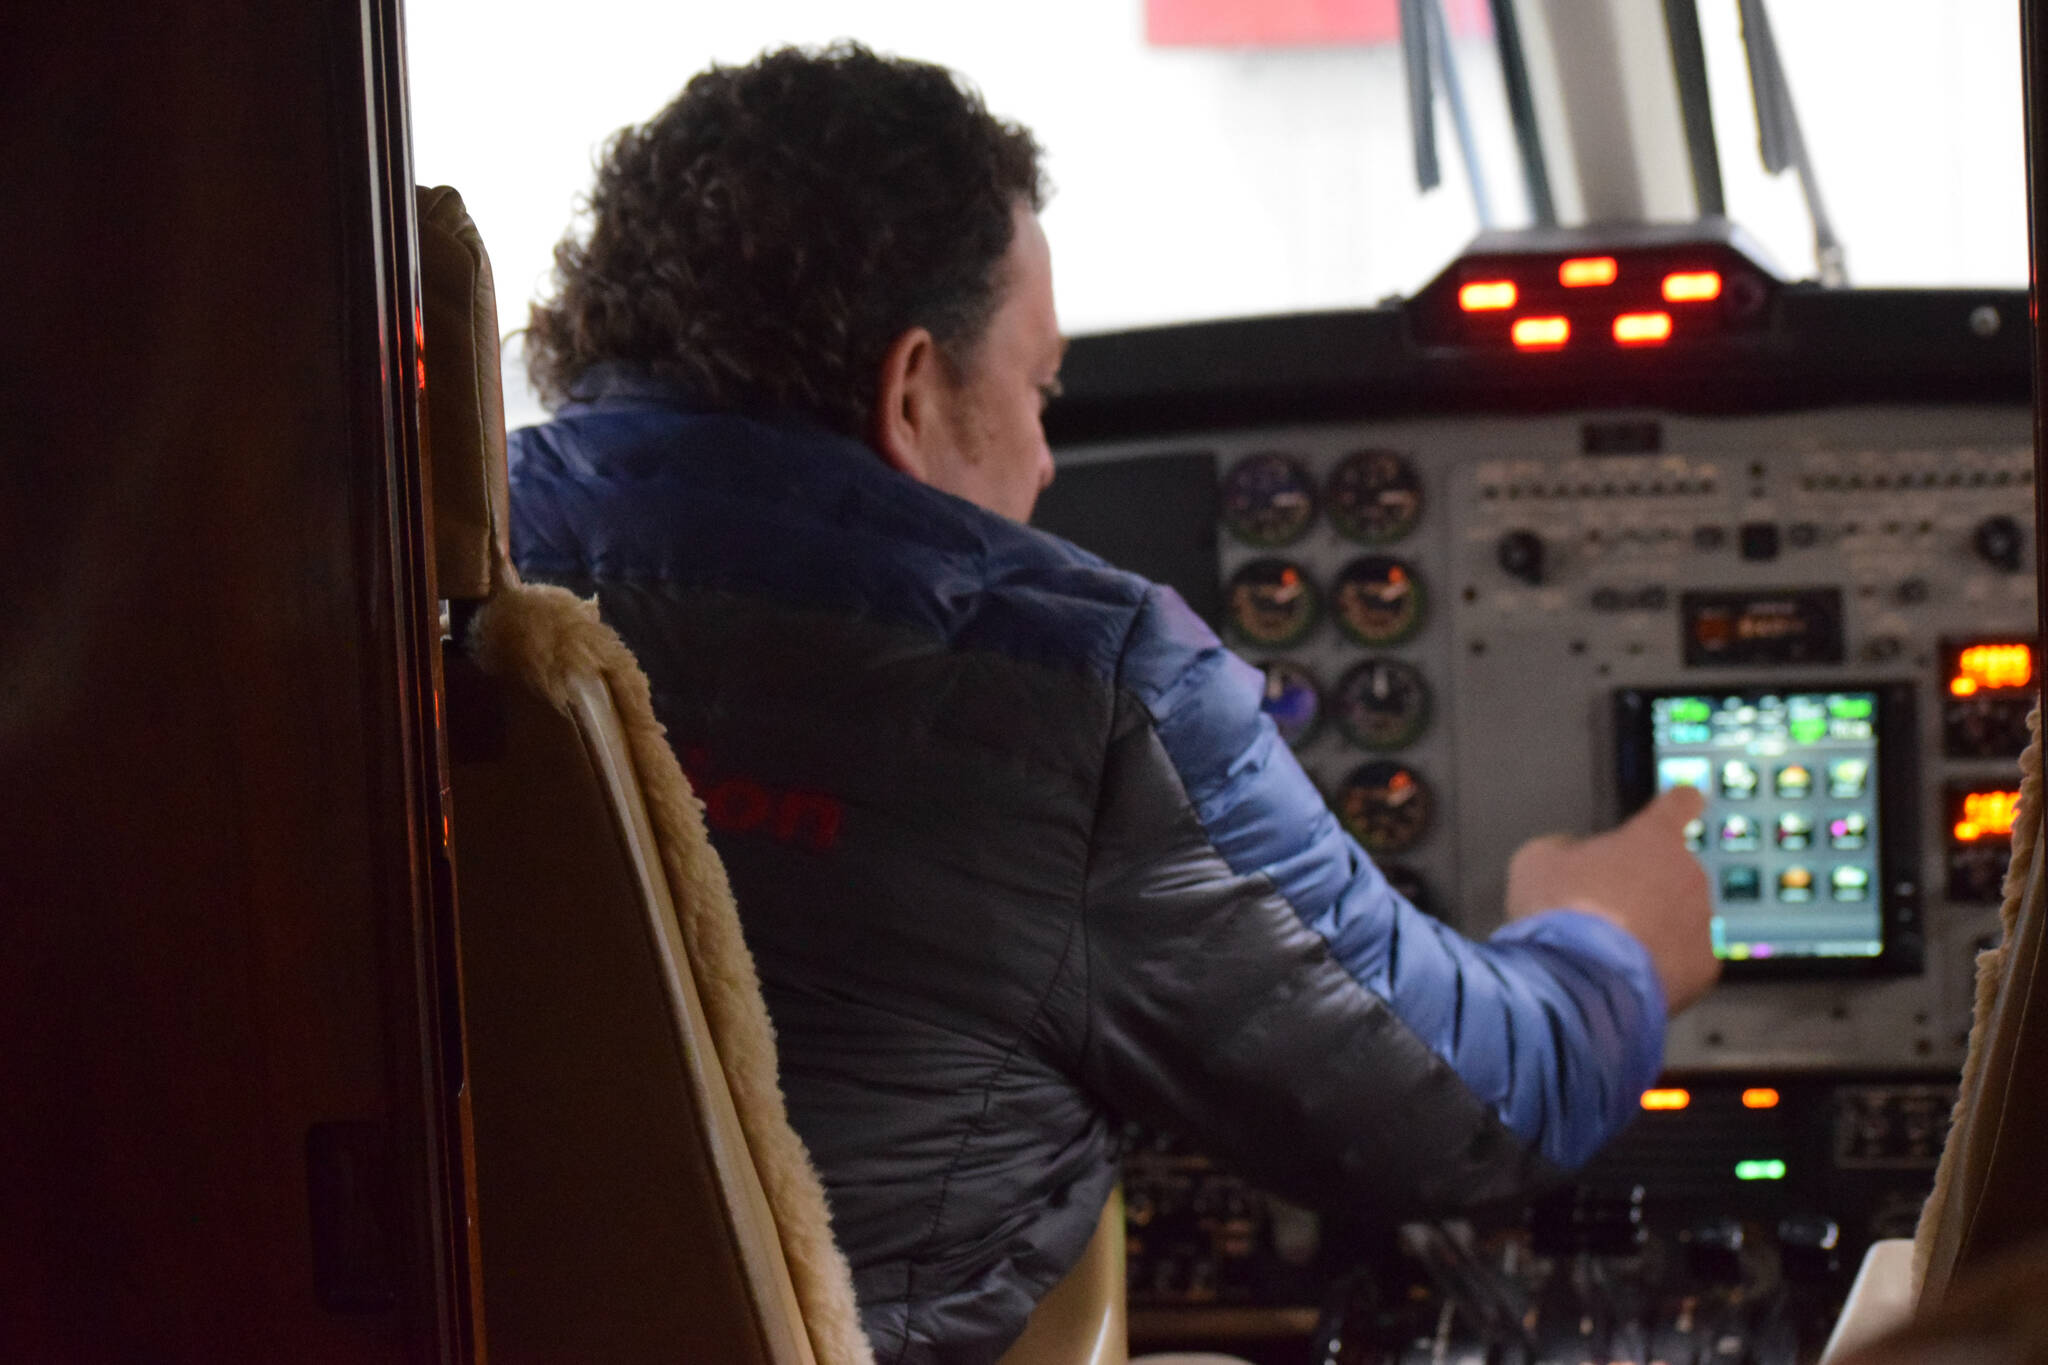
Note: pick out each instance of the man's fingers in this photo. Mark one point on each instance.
(1677, 808)
(1543, 844)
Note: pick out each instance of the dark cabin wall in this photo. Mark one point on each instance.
(217, 774)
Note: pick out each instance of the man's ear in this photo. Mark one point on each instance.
(909, 411)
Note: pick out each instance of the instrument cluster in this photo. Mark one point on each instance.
(1448, 612)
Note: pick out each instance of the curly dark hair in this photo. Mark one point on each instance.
(764, 239)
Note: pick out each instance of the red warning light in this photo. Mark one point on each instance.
(1642, 329)
(1541, 334)
(1487, 296)
(1584, 271)
(1692, 286)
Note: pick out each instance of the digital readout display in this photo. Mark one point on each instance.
(1790, 833)
(1988, 687)
(1978, 815)
(1989, 666)
(1978, 853)
(1791, 626)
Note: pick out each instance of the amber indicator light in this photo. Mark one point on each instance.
(1582, 272)
(1487, 296)
(1990, 667)
(1692, 286)
(1987, 815)
(1666, 1100)
(1643, 329)
(1760, 1097)
(1541, 334)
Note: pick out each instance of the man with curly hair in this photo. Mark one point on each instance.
(1017, 853)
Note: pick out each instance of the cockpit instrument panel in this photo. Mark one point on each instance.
(1582, 522)
(1500, 593)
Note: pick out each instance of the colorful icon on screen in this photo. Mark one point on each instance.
(1694, 710)
(1795, 831)
(1739, 835)
(1795, 885)
(1738, 779)
(1848, 776)
(1794, 780)
(1741, 882)
(1689, 770)
(1849, 883)
(1849, 831)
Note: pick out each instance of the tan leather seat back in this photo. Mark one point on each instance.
(640, 1194)
(1081, 1320)
(465, 404)
(620, 1215)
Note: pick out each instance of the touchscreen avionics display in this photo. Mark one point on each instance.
(1794, 837)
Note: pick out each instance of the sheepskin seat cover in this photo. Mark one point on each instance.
(545, 637)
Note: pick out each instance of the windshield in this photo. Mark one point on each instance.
(1208, 159)
(1225, 158)
(1911, 115)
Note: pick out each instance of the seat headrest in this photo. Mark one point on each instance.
(465, 404)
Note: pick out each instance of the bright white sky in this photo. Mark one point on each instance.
(1187, 184)
(1912, 115)
(1196, 184)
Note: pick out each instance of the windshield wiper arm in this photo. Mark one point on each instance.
(1421, 93)
(1426, 50)
(1780, 140)
(1514, 75)
(1461, 114)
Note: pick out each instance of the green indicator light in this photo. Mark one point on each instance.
(1809, 731)
(1850, 708)
(1759, 1170)
(1690, 708)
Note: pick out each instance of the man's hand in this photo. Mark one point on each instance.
(1637, 875)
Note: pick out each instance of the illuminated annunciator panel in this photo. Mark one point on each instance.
(1989, 688)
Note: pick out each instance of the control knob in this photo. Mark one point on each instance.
(1714, 1250)
(1807, 1247)
(1997, 542)
(1520, 555)
(1589, 1221)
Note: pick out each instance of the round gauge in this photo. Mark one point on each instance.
(1293, 700)
(1382, 704)
(1268, 499)
(1378, 600)
(1272, 602)
(1385, 806)
(1409, 883)
(1374, 497)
